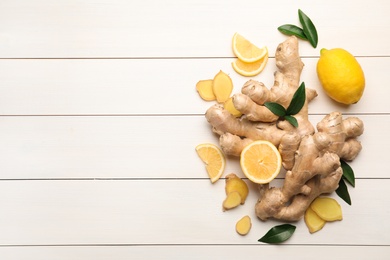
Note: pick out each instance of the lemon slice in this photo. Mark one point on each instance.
(250, 69)
(214, 159)
(247, 51)
(260, 161)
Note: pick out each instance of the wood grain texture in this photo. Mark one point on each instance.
(164, 212)
(192, 252)
(99, 119)
(152, 86)
(137, 147)
(120, 28)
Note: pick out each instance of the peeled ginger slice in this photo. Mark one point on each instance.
(229, 106)
(313, 221)
(243, 226)
(222, 86)
(232, 200)
(205, 89)
(234, 183)
(327, 208)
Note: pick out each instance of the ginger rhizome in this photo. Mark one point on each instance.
(311, 155)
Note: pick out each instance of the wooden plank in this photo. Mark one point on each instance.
(151, 86)
(138, 147)
(170, 212)
(120, 28)
(227, 252)
(99, 118)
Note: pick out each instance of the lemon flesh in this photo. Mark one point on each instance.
(341, 75)
(247, 51)
(260, 161)
(213, 158)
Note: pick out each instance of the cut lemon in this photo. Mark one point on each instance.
(214, 159)
(260, 161)
(250, 69)
(247, 51)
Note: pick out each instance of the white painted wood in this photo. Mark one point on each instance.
(152, 28)
(152, 86)
(167, 212)
(194, 252)
(91, 90)
(138, 147)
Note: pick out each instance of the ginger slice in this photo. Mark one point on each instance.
(327, 208)
(234, 183)
(313, 221)
(222, 86)
(232, 200)
(229, 106)
(205, 89)
(243, 226)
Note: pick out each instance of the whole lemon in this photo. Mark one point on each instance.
(340, 75)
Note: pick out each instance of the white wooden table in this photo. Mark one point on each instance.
(100, 118)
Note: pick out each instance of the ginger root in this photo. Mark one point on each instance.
(258, 122)
(311, 156)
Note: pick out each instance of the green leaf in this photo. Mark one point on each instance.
(343, 193)
(275, 108)
(297, 101)
(292, 120)
(290, 29)
(308, 28)
(278, 234)
(348, 173)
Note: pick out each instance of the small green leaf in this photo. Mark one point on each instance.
(297, 101)
(343, 193)
(348, 173)
(278, 234)
(275, 108)
(292, 120)
(308, 28)
(290, 29)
